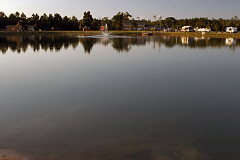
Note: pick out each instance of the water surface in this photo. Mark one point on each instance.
(170, 98)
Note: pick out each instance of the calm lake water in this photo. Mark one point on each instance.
(120, 98)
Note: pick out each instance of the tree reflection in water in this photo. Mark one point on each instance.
(21, 43)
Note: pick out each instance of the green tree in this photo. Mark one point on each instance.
(12, 20)
(74, 22)
(57, 21)
(87, 19)
(3, 20)
(43, 22)
(23, 18)
(65, 23)
(17, 16)
(50, 19)
(119, 25)
(95, 25)
(221, 24)
(117, 20)
(126, 16)
(34, 20)
(169, 21)
(104, 20)
(133, 25)
(80, 26)
(216, 27)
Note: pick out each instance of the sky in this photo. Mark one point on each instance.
(145, 9)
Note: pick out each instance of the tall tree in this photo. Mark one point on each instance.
(87, 19)
(50, 21)
(117, 20)
(74, 23)
(34, 20)
(3, 20)
(57, 21)
(44, 22)
(23, 18)
(216, 27)
(169, 21)
(12, 20)
(65, 23)
(17, 15)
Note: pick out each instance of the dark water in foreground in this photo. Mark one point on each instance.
(120, 98)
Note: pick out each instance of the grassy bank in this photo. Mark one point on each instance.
(86, 33)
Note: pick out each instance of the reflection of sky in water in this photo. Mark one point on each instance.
(172, 103)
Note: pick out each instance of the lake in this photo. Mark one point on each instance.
(120, 97)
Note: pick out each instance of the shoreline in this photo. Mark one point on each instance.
(122, 33)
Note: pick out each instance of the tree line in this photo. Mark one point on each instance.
(215, 24)
(57, 22)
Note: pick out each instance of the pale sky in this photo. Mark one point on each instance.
(137, 8)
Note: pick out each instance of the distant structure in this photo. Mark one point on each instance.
(104, 28)
(187, 29)
(12, 28)
(20, 28)
(140, 25)
(28, 28)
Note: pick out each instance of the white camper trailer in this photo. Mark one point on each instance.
(204, 29)
(187, 29)
(231, 30)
